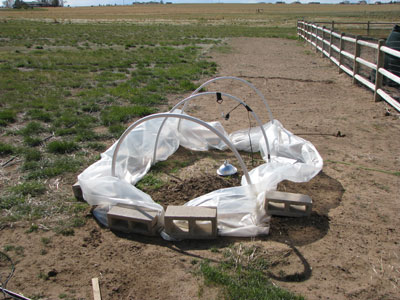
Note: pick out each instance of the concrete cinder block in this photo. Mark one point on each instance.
(76, 189)
(129, 218)
(288, 204)
(191, 222)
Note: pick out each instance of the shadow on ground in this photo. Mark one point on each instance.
(326, 193)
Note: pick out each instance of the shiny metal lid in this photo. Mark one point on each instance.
(226, 169)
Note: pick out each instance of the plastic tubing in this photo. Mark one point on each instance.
(184, 101)
(180, 116)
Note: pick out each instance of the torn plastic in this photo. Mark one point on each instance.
(240, 209)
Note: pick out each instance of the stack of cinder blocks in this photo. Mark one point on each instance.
(129, 218)
(191, 222)
(288, 204)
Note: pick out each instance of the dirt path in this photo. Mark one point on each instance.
(347, 249)
(359, 256)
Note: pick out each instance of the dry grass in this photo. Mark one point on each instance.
(254, 14)
(386, 269)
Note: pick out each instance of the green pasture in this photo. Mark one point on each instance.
(67, 90)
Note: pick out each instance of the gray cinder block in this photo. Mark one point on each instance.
(288, 204)
(129, 219)
(191, 222)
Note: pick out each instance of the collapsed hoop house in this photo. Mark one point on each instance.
(241, 209)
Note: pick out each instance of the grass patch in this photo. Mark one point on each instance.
(150, 182)
(31, 128)
(226, 49)
(243, 280)
(32, 154)
(33, 228)
(62, 147)
(117, 114)
(6, 149)
(171, 165)
(10, 201)
(19, 250)
(45, 241)
(33, 188)
(7, 116)
(32, 141)
(52, 168)
(96, 146)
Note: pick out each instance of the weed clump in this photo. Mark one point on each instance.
(32, 141)
(6, 117)
(10, 201)
(31, 128)
(62, 147)
(32, 155)
(6, 149)
(149, 181)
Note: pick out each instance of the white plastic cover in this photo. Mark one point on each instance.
(240, 209)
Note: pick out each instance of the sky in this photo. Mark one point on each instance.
(127, 2)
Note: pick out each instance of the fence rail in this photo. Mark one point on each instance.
(322, 39)
(368, 25)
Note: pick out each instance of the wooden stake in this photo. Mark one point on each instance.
(96, 289)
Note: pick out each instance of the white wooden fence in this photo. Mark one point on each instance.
(322, 39)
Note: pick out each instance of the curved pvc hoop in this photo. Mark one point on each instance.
(184, 101)
(179, 116)
(241, 80)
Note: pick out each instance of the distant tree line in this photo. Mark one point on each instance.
(31, 4)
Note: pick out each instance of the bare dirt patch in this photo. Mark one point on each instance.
(347, 249)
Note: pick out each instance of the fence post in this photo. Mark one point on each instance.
(301, 29)
(333, 26)
(316, 37)
(311, 35)
(356, 65)
(323, 41)
(307, 34)
(379, 64)
(368, 28)
(340, 52)
(330, 44)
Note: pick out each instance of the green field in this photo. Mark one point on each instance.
(67, 90)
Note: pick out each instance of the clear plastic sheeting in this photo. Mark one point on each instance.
(292, 158)
(198, 138)
(240, 210)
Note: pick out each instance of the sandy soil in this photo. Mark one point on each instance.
(347, 249)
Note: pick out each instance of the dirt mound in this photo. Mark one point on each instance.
(179, 192)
